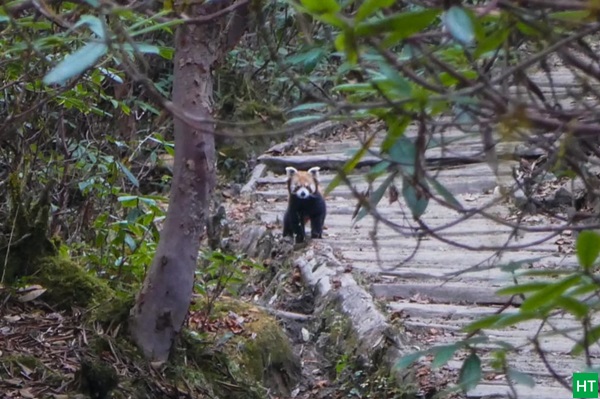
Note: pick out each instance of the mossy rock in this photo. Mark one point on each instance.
(97, 378)
(259, 357)
(263, 351)
(28, 225)
(117, 310)
(68, 284)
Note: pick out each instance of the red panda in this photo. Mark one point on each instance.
(305, 203)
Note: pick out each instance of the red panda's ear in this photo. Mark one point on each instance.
(314, 171)
(290, 171)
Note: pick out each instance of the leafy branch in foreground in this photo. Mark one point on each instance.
(545, 294)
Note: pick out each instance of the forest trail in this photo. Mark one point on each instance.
(425, 289)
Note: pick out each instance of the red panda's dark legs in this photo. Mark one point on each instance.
(293, 224)
(316, 226)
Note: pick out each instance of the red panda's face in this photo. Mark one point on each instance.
(303, 184)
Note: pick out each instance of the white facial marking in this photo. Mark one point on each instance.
(303, 193)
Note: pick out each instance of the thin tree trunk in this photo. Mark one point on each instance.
(165, 297)
(163, 302)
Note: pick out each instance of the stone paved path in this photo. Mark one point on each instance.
(417, 288)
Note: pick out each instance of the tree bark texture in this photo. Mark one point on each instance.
(163, 302)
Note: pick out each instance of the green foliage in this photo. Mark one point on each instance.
(541, 299)
(222, 272)
(459, 24)
(443, 354)
(75, 136)
(370, 7)
(375, 197)
(470, 372)
(86, 57)
(414, 193)
(399, 26)
(127, 245)
(588, 248)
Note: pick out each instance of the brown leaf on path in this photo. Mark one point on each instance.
(26, 393)
(321, 384)
(393, 194)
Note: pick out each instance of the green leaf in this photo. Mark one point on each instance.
(443, 354)
(401, 86)
(369, 7)
(446, 195)
(161, 26)
(587, 248)
(307, 107)
(512, 319)
(377, 170)
(130, 242)
(505, 345)
(459, 25)
(528, 30)
(346, 42)
(484, 322)
(303, 119)
(521, 378)
(167, 53)
(375, 197)
(470, 373)
(355, 87)
(309, 59)
(93, 23)
(349, 166)
(148, 201)
(321, 6)
(586, 286)
(522, 288)
(396, 129)
(409, 359)
(492, 42)
(129, 175)
(417, 202)
(575, 16)
(573, 306)
(76, 63)
(401, 25)
(128, 201)
(404, 153)
(592, 337)
(546, 296)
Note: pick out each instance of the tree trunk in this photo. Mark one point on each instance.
(163, 302)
